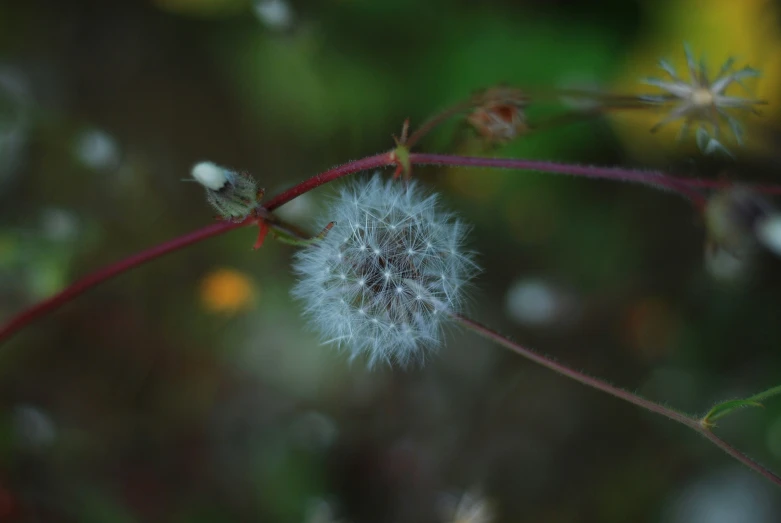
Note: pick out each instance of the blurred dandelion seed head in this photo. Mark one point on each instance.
(695, 98)
(385, 278)
(97, 150)
(733, 216)
(768, 233)
(531, 302)
(274, 14)
(471, 507)
(747, 30)
(722, 496)
(33, 427)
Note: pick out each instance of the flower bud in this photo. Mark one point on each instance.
(233, 195)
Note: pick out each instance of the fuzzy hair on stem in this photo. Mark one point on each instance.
(388, 275)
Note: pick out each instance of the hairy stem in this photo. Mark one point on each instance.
(595, 383)
(427, 126)
(650, 178)
(578, 376)
(42, 308)
(725, 184)
(75, 289)
(607, 103)
(372, 162)
(654, 179)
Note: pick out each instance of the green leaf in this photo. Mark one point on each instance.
(722, 409)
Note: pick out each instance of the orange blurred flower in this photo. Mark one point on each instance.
(226, 291)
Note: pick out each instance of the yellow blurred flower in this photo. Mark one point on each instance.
(717, 30)
(226, 291)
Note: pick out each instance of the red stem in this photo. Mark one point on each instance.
(93, 279)
(723, 184)
(738, 455)
(578, 376)
(654, 179)
(617, 392)
(372, 162)
(651, 178)
(40, 309)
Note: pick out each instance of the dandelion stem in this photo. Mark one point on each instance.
(372, 162)
(42, 308)
(427, 126)
(724, 184)
(595, 383)
(610, 103)
(650, 178)
(654, 179)
(79, 287)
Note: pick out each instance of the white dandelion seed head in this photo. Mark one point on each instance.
(381, 278)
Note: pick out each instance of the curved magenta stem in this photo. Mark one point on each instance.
(650, 178)
(654, 179)
(624, 395)
(77, 288)
(16, 323)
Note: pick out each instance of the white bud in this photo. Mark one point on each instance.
(210, 175)
(769, 233)
(233, 195)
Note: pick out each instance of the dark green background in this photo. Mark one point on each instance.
(133, 403)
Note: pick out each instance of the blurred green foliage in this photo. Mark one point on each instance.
(137, 403)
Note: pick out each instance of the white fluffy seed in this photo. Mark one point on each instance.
(210, 175)
(354, 281)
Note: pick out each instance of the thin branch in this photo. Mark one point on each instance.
(649, 178)
(372, 162)
(738, 455)
(79, 287)
(578, 376)
(42, 308)
(436, 120)
(608, 103)
(654, 179)
(726, 184)
(616, 392)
